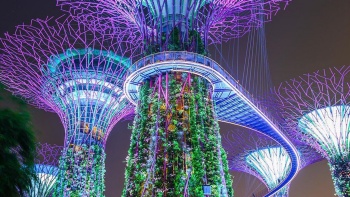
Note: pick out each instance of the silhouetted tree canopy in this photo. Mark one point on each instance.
(17, 149)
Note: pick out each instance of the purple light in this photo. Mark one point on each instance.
(241, 143)
(46, 169)
(166, 26)
(216, 20)
(316, 109)
(60, 66)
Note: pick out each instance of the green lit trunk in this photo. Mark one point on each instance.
(175, 144)
(341, 177)
(82, 170)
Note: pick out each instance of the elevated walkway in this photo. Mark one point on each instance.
(233, 104)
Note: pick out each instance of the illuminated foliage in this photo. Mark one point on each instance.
(175, 144)
(81, 171)
(60, 66)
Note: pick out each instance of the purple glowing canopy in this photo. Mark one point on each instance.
(46, 168)
(60, 65)
(215, 20)
(48, 154)
(47, 57)
(317, 111)
(240, 143)
(306, 94)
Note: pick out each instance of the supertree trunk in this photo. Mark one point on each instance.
(79, 75)
(91, 103)
(341, 177)
(316, 109)
(175, 148)
(82, 164)
(82, 171)
(175, 144)
(81, 168)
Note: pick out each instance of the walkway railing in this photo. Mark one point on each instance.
(205, 61)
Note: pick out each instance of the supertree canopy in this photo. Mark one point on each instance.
(316, 109)
(262, 157)
(46, 169)
(175, 145)
(61, 66)
(272, 163)
(258, 155)
(197, 23)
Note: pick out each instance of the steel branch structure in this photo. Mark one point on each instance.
(260, 156)
(316, 109)
(46, 168)
(214, 21)
(272, 163)
(253, 153)
(60, 66)
(174, 80)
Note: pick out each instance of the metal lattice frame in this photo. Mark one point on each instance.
(241, 143)
(187, 26)
(46, 168)
(238, 142)
(307, 154)
(166, 136)
(316, 109)
(59, 65)
(216, 20)
(48, 63)
(272, 163)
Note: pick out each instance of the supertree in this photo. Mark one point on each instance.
(272, 163)
(256, 154)
(175, 145)
(46, 168)
(316, 109)
(152, 22)
(60, 66)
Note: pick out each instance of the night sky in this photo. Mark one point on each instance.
(307, 36)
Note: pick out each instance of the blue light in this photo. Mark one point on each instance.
(330, 127)
(272, 164)
(206, 189)
(46, 169)
(55, 61)
(46, 179)
(236, 107)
